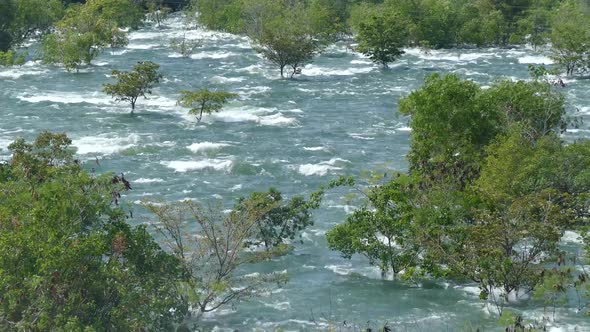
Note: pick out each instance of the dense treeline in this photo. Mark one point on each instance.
(290, 33)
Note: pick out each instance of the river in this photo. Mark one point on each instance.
(338, 118)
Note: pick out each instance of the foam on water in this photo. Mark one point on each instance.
(66, 97)
(104, 144)
(196, 165)
(535, 59)
(322, 168)
(29, 68)
(206, 146)
(313, 70)
(213, 55)
(148, 180)
(222, 79)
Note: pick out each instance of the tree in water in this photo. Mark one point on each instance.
(134, 84)
(204, 101)
(383, 36)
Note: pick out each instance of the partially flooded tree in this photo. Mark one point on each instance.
(288, 40)
(283, 220)
(157, 12)
(383, 36)
(184, 46)
(134, 84)
(204, 101)
(214, 254)
(382, 229)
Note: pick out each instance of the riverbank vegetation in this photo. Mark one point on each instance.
(73, 261)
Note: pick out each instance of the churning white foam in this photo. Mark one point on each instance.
(148, 180)
(206, 146)
(104, 144)
(322, 168)
(196, 165)
(535, 59)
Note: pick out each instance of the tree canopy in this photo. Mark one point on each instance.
(134, 84)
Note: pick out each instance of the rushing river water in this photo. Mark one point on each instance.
(339, 117)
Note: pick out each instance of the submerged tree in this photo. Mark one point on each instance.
(184, 46)
(214, 257)
(85, 30)
(204, 101)
(383, 36)
(288, 40)
(282, 220)
(382, 229)
(70, 261)
(134, 84)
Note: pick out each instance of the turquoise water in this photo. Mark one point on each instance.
(339, 117)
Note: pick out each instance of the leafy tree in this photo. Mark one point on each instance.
(70, 261)
(134, 84)
(213, 260)
(382, 36)
(570, 37)
(448, 130)
(453, 120)
(30, 17)
(204, 101)
(382, 230)
(288, 40)
(283, 220)
(86, 29)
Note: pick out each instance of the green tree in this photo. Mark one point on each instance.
(282, 220)
(382, 229)
(453, 120)
(288, 40)
(86, 29)
(382, 36)
(570, 37)
(134, 84)
(70, 261)
(204, 101)
(24, 19)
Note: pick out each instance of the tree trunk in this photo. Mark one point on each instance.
(283, 71)
(132, 106)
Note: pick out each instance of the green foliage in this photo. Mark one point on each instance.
(23, 19)
(86, 29)
(204, 101)
(11, 58)
(70, 261)
(288, 39)
(382, 229)
(133, 84)
(570, 37)
(283, 220)
(448, 129)
(491, 188)
(453, 120)
(382, 36)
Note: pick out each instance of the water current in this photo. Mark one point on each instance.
(338, 118)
